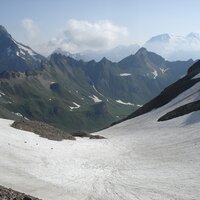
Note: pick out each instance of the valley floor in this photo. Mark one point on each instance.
(141, 159)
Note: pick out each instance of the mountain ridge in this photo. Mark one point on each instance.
(62, 90)
(16, 56)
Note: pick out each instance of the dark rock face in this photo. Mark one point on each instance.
(55, 87)
(80, 134)
(96, 137)
(9, 194)
(100, 108)
(180, 111)
(9, 75)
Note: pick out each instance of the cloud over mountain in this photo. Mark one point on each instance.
(30, 27)
(83, 35)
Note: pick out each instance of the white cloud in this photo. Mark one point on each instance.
(84, 35)
(30, 27)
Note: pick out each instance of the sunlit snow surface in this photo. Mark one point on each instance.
(197, 76)
(140, 159)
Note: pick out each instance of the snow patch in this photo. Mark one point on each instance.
(19, 114)
(155, 73)
(2, 94)
(163, 70)
(25, 50)
(74, 107)
(22, 52)
(17, 53)
(97, 90)
(197, 76)
(125, 103)
(95, 99)
(125, 74)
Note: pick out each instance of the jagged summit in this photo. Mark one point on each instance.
(104, 60)
(15, 55)
(3, 29)
(142, 51)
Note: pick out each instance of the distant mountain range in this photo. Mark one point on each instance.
(170, 47)
(115, 55)
(76, 95)
(174, 47)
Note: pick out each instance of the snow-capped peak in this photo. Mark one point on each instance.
(175, 47)
(160, 38)
(193, 35)
(25, 50)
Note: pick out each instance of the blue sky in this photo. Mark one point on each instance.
(45, 24)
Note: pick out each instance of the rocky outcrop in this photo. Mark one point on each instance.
(43, 130)
(96, 137)
(9, 194)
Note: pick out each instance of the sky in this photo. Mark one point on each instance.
(78, 25)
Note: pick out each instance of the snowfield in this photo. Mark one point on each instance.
(141, 159)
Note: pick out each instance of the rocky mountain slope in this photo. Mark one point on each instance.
(16, 56)
(76, 95)
(184, 94)
(9, 194)
(142, 158)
